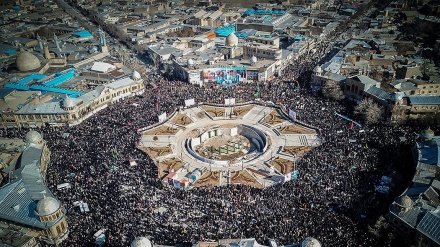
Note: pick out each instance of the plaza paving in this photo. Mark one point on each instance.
(286, 142)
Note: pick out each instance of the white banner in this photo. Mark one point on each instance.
(189, 102)
(230, 101)
(162, 117)
(292, 113)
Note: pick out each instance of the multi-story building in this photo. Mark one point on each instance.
(356, 86)
(210, 19)
(416, 213)
(417, 87)
(415, 106)
(50, 110)
(28, 209)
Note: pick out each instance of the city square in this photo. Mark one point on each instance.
(207, 123)
(252, 144)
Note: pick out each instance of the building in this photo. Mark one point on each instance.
(416, 213)
(356, 86)
(230, 61)
(210, 19)
(27, 61)
(328, 72)
(47, 109)
(417, 87)
(415, 106)
(28, 209)
(408, 71)
(10, 102)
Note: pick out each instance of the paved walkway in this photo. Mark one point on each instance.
(259, 168)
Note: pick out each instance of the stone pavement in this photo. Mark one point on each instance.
(258, 171)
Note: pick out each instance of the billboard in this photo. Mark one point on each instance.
(189, 102)
(252, 75)
(162, 117)
(230, 101)
(227, 76)
(292, 114)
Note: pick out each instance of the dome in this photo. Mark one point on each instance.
(254, 59)
(33, 137)
(318, 69)
(135, 76)
(27, 61)
(190, 62)
(69, 102)
(404, 201)
(232, 40)
(141, 242)
(310, 242)
(427, 134)
(47, 206)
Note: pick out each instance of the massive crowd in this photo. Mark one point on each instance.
(333, 199)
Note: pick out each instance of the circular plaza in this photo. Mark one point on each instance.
(206, 145)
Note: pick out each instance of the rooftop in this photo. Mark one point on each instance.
(424, 99)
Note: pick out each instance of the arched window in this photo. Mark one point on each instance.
(58, 230)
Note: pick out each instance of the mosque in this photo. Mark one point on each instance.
(27, 61)
(256, 59)
(29, 212)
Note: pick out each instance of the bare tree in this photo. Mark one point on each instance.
(370, 111)
(332, 89)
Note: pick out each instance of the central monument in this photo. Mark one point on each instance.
(255, 144)
(228, 146)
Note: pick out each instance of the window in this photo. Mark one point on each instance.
(58, 230)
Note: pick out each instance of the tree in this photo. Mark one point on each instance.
(370, 111)
(332, 89)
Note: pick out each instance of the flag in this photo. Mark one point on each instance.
(351, 125)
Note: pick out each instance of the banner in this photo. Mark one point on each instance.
(189, 102)
(292, 114)
(348, 119)
(227, 76)
(230, 101)
(162, 117)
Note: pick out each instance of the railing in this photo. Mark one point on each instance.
(282, 110)
(158, 123)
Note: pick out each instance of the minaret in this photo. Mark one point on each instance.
(46, 52)
(100, 35)
(56, 42)
(40, 43)
(102, 40)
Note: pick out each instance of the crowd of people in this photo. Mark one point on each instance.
(333, 200)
